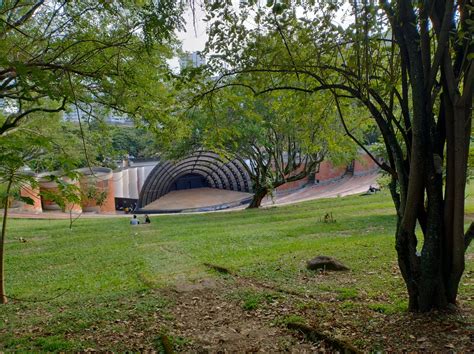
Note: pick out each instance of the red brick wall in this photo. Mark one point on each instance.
(293, 185)
(328, 172)
(51, 205)
(364, 164)
(100, 186)
(34, 194)
(109, 204)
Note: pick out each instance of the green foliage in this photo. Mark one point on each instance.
(70, 147)
(389, 309)
(107, 56)
(3, 193)
(347, 293)
(376, 60)
(91, 192)
(67, 194)
(281, 136)
(96, 144)
(251, 300)
(53, 343)
(165, 343)
(348, 305)
(139, 143)
(16, 152)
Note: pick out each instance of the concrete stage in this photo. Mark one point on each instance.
(198, 199)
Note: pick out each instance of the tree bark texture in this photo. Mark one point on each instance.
(260, 193)
(3, 295)
(432, 273)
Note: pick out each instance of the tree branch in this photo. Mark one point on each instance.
(383, 165)
(13, 121)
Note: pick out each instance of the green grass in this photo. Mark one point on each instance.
(346, 293)
(104, 269)
(251, 300)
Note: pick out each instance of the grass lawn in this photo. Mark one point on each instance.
(109, 285)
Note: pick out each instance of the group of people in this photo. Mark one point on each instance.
(136, 221)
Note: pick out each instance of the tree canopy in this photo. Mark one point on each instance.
(87, 53)
(279, 137)
(409, 66)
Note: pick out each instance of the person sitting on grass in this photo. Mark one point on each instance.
(134, 221)
(147, 219)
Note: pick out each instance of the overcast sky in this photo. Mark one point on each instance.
(194, 37)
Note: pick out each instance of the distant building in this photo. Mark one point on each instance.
(111, 118)
(191, 60)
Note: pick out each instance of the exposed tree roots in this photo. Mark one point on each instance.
(315, 335)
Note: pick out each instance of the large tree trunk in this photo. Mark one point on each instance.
(260, 193)
(3, 296)
(432, 276)
(456, 175)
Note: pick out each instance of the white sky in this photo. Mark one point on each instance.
(194, 37)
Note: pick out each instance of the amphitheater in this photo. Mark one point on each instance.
(202, 181)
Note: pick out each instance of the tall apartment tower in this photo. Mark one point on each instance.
(193, 60)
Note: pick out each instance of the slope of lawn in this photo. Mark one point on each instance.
(69, 280)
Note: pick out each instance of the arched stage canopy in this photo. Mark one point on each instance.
(215, 171)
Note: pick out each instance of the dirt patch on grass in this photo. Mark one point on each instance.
(229, 313)
(213, 319)
(238, 314)
(205, 316)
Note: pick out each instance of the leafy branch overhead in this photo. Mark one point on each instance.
(279, 137)
(55, 53)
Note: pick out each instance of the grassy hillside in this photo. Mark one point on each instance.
(72, 281)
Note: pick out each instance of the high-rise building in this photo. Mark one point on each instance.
(111, 118)
(193, 60)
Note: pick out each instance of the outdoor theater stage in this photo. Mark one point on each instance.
(210, 199)
(197, 199)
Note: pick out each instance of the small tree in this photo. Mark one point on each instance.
(29, 144)
(67, 194)
(277, 142)
(14, 155)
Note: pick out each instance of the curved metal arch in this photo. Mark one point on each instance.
(197, 170)
(232, 170)
(239, 171)
(201, 170)
(239, 175)
(214, 159)
(147, 194)
(220, 173)
(190, 165)
(216, 165)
